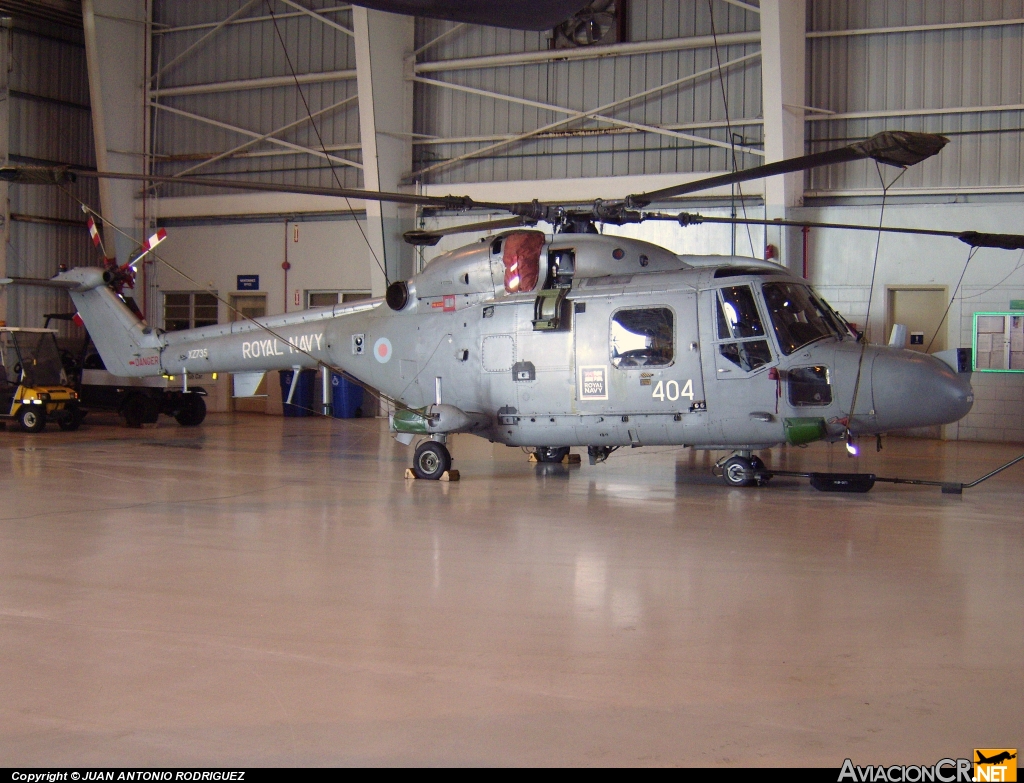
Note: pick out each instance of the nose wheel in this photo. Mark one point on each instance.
(740, 471)
(431, 460)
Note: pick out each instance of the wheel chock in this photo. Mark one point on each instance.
(448, 475)
(568, 459)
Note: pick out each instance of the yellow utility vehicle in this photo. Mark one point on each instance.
(33, 386)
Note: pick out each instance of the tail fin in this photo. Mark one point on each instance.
(127, 345)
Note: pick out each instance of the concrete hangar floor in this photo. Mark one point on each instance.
(261, 591)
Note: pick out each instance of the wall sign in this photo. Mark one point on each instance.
(248, 283)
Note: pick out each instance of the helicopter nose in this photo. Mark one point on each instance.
(916, 390)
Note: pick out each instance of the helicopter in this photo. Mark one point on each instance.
(575, 338)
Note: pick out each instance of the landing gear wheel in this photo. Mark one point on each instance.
(192, 411)
(551, 453)
(431, 460)
(738, 472)
(71, 420)
(31, 419)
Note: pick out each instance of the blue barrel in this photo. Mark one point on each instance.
(346, 397)
(302, 400)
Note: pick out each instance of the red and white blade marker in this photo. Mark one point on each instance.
(78, 320)
(94, 232)
(153, 241)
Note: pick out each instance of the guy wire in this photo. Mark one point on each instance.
(323, 147)
(320, 362)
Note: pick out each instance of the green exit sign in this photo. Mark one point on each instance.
(1017, 304)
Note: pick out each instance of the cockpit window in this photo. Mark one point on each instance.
(642, 337)
(740, 330)
(797, 316)
(737, 314)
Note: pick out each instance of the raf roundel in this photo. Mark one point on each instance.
(382, 350)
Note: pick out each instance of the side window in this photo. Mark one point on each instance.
(642, 337)
(188, 310)
(740, 330)
(809, 386)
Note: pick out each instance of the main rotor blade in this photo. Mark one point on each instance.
(972, 238)
(51, 175)
(40, 282)
(894, 148)
(431, 238)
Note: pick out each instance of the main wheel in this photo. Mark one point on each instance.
(551, 453)
(32, 419)
(71, 420)
(431, 460)
(192, 411)
(738, 472)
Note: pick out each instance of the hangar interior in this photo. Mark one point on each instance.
(284, 596)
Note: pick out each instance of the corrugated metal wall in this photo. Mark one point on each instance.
(50, 122)
(587, 148)
(919, 80)
(932, 80)
(248, 50)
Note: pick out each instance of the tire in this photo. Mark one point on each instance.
(551, 453)
(134, 411)
(71, 420)
(32, 418)
(192, 411)
(737, 472)
(431, 460)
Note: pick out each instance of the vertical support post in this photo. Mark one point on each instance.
(783, 56)
(5, 141)
(384, 43)
(328, 401)
(115, 53)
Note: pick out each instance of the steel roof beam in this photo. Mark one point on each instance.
(254, 134)
(255, 84)
(247, 20)
(266, 136)
(203, 40)
(588, 52)
(320, 18)
(595, 114)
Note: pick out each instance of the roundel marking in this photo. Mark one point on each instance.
(382, 350)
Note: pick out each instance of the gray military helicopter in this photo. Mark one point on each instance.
(574, 338)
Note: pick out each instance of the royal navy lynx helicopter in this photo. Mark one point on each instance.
(575, 338)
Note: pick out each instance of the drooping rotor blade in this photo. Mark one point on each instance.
(431, 238)
(972, 238)
(1001, 241)
(40, 282)
(893, 148)
(50, 175)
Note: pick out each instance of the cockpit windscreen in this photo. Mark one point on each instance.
(797, 316)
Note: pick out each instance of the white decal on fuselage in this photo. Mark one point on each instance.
(306, 343)
(270, 347)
